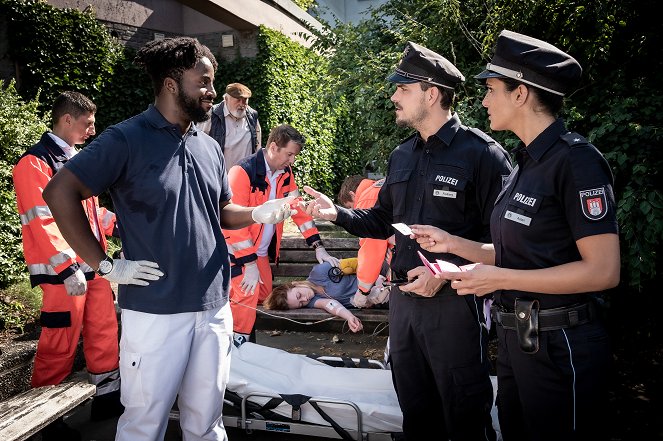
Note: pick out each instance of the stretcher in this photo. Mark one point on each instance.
(273, 390)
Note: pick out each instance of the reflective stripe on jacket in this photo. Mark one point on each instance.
(250, 186)
(372, 252)
(47, 255)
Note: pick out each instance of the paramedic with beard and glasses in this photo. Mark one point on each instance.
(168, 183)
(448, 175)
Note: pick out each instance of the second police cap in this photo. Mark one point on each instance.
(421, 64)
(533, 62)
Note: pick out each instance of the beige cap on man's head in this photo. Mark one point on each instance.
(238, 90)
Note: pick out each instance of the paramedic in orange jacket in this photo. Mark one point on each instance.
(359, 192)
(74, 298)
(263, 176)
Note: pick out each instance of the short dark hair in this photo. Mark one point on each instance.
(349, 184)
(283, 134)
(170, 57)
(72, 103)
(446, 95)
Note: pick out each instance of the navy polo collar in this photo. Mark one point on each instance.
(157, 120)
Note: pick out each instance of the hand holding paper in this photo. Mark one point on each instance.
(442, 266)
(432, 238)
(473, 278)
(402, 228)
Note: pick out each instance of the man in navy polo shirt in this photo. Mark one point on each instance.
(170, 191)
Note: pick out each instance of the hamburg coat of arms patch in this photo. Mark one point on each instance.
(594, 203)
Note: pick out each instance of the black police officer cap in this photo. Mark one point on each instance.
(421, 64)
(533, 62)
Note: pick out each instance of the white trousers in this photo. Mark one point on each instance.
(166, 356)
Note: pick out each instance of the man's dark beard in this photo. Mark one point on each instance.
(192, 107)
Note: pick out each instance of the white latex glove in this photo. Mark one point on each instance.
(380, 280)
(360, 300)
(378, 295)
(251, 278)
(133, 272)
(323, 256)
(274, 211)
(76, 285)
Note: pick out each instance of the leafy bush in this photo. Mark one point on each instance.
(20, 127)
(291, 84)
(58, 49)
(617, 106)
(19, 305)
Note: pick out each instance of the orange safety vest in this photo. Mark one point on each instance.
(251, 188)
(372, 252)
(48, 256)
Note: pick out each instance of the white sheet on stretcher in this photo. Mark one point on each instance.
(257, 368)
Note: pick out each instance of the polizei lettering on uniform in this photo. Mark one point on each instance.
(446, 180)
(527, 200)
(590, 193)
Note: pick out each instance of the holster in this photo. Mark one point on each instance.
(527, 325)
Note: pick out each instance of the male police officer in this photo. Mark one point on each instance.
(446, 175)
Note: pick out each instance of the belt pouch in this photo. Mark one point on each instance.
(527, 325)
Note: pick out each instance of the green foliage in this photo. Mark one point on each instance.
(20, 127)
(630, 128)
(340, 100)
(291, 84)
(304, 4)
(58, 49)
(19, 305)
(127, 92)
(617, 105)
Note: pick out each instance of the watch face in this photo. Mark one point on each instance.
(105, 267)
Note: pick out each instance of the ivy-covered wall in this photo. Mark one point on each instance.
(291, 84)
(65, 49)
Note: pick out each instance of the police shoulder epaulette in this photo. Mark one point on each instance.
(573, 139)
(480, 134)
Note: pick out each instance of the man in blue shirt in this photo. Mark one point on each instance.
(170, 191)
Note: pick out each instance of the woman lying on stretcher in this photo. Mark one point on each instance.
(326, 288)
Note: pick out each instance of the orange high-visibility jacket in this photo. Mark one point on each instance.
(372, 252)
(250, 187)
(47, 254)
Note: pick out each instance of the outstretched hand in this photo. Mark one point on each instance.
(431, 238)
(321, 207)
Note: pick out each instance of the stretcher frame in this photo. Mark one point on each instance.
(296, 427)
(251, 421)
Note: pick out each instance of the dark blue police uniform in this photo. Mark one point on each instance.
(438, 345)
(553, 354)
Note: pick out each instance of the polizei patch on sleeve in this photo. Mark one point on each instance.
(594, 203)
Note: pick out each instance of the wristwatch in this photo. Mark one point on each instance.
(105, 266)
(317, 244)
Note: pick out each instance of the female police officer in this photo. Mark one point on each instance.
(555, 244)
